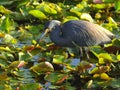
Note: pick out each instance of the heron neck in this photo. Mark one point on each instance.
(56, 37)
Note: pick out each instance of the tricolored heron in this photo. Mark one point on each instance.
(77, 33)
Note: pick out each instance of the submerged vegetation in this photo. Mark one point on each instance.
(27, 64)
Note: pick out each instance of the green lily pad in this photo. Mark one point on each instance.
(38, 14)
(42, 67)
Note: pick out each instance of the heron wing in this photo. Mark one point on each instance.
(84, 33)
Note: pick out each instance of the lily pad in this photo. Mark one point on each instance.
(38, 14)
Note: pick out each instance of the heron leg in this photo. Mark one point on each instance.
(81, 53)
(80, 49)
(86, 52)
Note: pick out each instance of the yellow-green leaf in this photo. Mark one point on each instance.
(9, 39)
(106, 57)
(96, 75)
(37, 14)
(30, 86)
(104, 76)
(101, 69)
(118, 57)
(4, 10)
(86, 16)
(70, 18)
(101, 61)
(56, 77)
(42, 67)
(117, 5)
(58, 59)
(49, 9)
(3, 76)
(17, 64)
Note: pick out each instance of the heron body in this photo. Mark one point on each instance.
(78, 33)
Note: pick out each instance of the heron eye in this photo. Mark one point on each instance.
(51, 28)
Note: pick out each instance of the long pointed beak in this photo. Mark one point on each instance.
(44, 34)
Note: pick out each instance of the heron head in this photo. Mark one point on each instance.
(49, 26)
